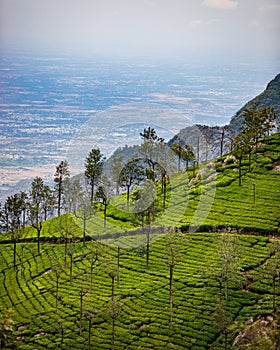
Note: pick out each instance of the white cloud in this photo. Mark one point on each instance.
(221, 4)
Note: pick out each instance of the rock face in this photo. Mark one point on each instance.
(259, 334)
(211, 137)
(270, 97)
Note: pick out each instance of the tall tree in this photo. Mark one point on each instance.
(84, 211)
(93, 169)
(102, 197)
(229, 257)
(188, 154)
(258, 122)
(150, 147)
(239, 149)
(131, 174)
(116, 171)
(38, 197)
(62, 173)
(178, 150)
(13, 218)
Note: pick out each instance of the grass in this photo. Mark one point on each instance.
(30, 291)
(210, 200)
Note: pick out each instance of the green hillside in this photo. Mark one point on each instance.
(142, 294)
(225, 272)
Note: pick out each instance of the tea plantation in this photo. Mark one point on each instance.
(102, 295)
(46, 303)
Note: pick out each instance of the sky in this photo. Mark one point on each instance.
(223, 28)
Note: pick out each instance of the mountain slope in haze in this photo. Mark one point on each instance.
(211, 136)
(270, 97)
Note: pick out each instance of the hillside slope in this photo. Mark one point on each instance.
(269, 97)
(213, 134)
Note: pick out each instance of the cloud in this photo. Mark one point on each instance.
(221, 4)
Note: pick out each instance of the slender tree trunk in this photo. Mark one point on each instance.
(171, 295)
(113, 333)
(21, 261)
(113, 288)
(119, 254)
(91, 191)
(226, 282)
(91, 270)
(127, 196)
(65, 250)
(148, 247)
(84, 230)
(15, 252)
(59, 196)
(239, 171)
(89, 332)
(164, 192)
(71, 266)
(81, 310)
(105, 214)
(56, 296)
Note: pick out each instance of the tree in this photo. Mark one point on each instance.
(150, 148)
(112, 270)
(229, 256)
(116, 171)
(145, 208)
(178, 150)
(13, 218)
(240, 148)
(38, 199)
(82, 293)
(62, 173)
(96, 250)
(173, 247)
(114, 308)
(72, 194)
(273, 270)
(188, 154)
(102, 197)
(90, 316)
(85, 211)
(131, 174)
(93, 169)
(258, 122)
(223, 321)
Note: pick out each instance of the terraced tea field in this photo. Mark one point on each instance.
(46, 303)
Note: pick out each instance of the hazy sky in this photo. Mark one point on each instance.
(220, 27)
